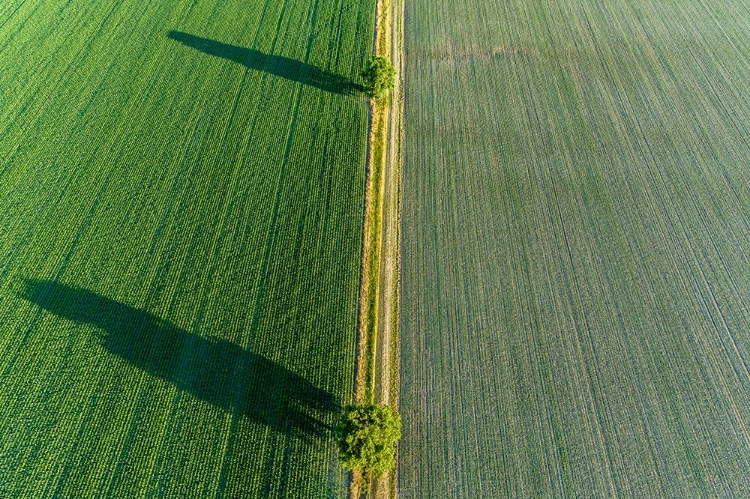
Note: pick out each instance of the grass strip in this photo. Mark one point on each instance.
(377, 364)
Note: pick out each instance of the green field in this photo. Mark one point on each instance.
(181, 189)
(576, 257)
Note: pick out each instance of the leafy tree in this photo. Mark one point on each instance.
(367, 436)
(380, 77)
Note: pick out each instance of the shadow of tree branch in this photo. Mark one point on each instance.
(283, 67)
(213, 370)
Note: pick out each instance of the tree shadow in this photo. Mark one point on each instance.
(213, 370)
(277, 65)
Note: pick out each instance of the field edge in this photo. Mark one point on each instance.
(377, 365)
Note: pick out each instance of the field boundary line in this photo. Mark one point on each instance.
(377, 365)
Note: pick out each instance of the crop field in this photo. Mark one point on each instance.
(576, 257)
(181, 189)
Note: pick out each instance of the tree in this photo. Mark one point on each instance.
(380, 77)
(367, 435)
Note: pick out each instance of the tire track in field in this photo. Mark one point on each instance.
(13, 13)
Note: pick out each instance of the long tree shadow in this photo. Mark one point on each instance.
(214, 370)
(277, 65)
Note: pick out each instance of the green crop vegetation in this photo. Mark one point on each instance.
(180, 241)
(575, 259)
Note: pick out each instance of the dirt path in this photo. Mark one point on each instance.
(378, 356)
(387, 355)
(387, 361)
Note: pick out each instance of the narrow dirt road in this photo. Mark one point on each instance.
(378, 356)
(387, 356)
(387, 359)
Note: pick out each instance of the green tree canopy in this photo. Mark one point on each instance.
(380, 77)
(367, 436)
